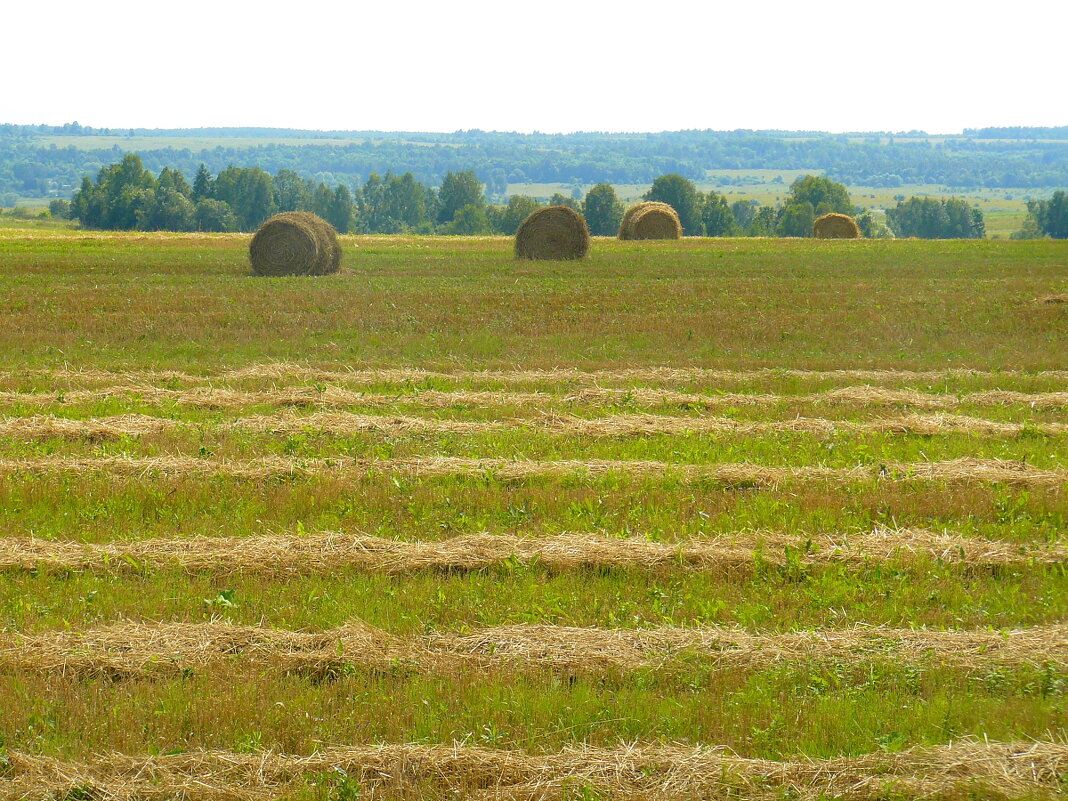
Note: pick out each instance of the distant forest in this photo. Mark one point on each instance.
(985, 157)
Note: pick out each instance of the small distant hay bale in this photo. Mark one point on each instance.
(554, 233)
(650, 220)
(295, 243)
(835, 226)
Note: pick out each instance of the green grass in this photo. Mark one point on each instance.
(174, 301)
(77, 301)
(774, 713)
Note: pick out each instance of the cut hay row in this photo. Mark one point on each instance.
(278, 371)
(128, 650)
(39, 427)
(742, 474)
(328, 552)
(636, 771)
(334, 396)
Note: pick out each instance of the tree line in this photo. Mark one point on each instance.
(30, 167)
(128, 196)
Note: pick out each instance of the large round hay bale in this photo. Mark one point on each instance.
(650, 220)
(554, 233)
(835, 226)
(295, 243)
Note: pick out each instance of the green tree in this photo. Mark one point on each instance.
(214, 216)
(170, 210)
(459, 189)
(823, 194)
(511, 217)
(560, 199)
(375, 216)
(60, 209)
(409, 203)
(249, 193)
(469, 220)
(682, 195)
(203, 184)
(81, 204)
(124, 191)
(717, 216)
(322, 200)
(744, 211)
(173, 179)
(797, 219)
(1050, 216)
(290, 191)
(339, 214)
(932, 218)
(764, 221)
(603, 210)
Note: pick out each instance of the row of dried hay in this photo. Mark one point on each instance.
(963, 769)
(327, 552)
(45, 427)
(130, 650)
(965, 470)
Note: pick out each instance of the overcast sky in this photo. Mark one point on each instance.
(937, 65)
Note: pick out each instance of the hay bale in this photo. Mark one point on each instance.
(650, 220)
(835, 226)
(295, 243)
(554, 233)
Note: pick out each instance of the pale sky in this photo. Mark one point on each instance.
(939, 65)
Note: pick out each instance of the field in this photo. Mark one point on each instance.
(750, 518)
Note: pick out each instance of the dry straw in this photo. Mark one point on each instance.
(209, 397)
(556, 233)
(835, 226)
(327, 552)
(965, 470)
(295, 243)
(131, 650)
(665, 771)
(44, 427)
(650, 220)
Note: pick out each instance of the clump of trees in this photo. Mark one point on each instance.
(933, 218)
(127, 196)
(1046, 218)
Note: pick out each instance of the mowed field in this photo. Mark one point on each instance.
(758, 519)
